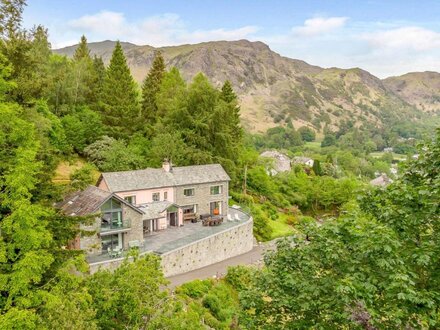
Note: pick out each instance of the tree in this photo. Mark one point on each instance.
(82, 51)
(307, 134)
(150, 88)
(120, 106)
(25, 241)
(329, 140)
(374, 267)
(131, 296)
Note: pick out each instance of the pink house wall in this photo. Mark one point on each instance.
(146, 196)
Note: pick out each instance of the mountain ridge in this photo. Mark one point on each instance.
(275, 90)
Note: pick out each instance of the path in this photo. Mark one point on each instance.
(252, 257)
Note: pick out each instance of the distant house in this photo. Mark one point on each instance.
(303, 161)
(389, 149)
(381, 181)
(281, 162)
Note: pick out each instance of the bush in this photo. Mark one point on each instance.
(239, 277)
(82, 177)
(195, 289)
(307, 134)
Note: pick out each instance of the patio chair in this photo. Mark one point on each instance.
(230, 217)
(236, 217)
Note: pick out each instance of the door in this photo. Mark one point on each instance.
(172, 219)
(111, 242)
(215, 208)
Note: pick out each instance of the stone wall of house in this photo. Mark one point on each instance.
(91, 244)
(207, 251)
(134, 219)
(202, 196)
(224, 245)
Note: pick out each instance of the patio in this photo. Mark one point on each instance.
(175, 237)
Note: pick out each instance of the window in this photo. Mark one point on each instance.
(156, 197)
(165, 195)
(188, 192)
(189, 209)
(111, 215)
(130, 199)
(216, 190)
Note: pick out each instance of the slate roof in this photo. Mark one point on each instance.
(84, 202)
(158, 177)
(381, 181)
(153, 210)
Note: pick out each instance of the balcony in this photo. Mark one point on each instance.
(114, 227)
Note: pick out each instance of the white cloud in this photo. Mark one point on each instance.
(410, 38)
(160, 30)
(319, 25)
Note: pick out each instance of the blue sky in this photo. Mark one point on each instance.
(387, 37)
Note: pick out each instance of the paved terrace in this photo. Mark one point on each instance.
(176, 237)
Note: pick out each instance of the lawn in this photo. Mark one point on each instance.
(379, 154)
(280, 228)
(66, 167)
(315, 145)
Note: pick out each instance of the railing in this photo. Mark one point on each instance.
(114, 226)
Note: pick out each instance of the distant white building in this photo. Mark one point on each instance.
(303, 161)
(389, 149)
(281, 162)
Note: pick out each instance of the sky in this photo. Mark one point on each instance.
(384, 37)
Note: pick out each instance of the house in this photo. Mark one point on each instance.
(381, 181)
(117, 222)
(303, 161)
(185, 191)
(281, 162)
(130, 206)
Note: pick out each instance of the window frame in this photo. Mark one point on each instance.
(153, 197)
(133, 197)
(193, 192)
(220, 190)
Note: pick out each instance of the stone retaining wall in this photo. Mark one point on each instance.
(204, 252)
(210, 250)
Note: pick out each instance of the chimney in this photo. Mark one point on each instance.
(166, 165)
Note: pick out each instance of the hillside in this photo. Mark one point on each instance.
(421, 89)
(274, 89)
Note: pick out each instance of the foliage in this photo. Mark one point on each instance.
(82, 128)
(150, 89)
(82, 177)
(307, 134)
(120, 107)
(374, 267)
(109, 155)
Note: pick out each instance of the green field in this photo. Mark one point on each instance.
(379, 154)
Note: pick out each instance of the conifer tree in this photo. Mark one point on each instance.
(120, 106)
(98, 70)
(233, 114)
(150, 88)
(82, 51)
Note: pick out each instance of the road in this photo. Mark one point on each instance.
(219, 269)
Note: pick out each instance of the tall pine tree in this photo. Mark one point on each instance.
(82, 51)
(150, 88)
(120, 106)
(233, 113)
